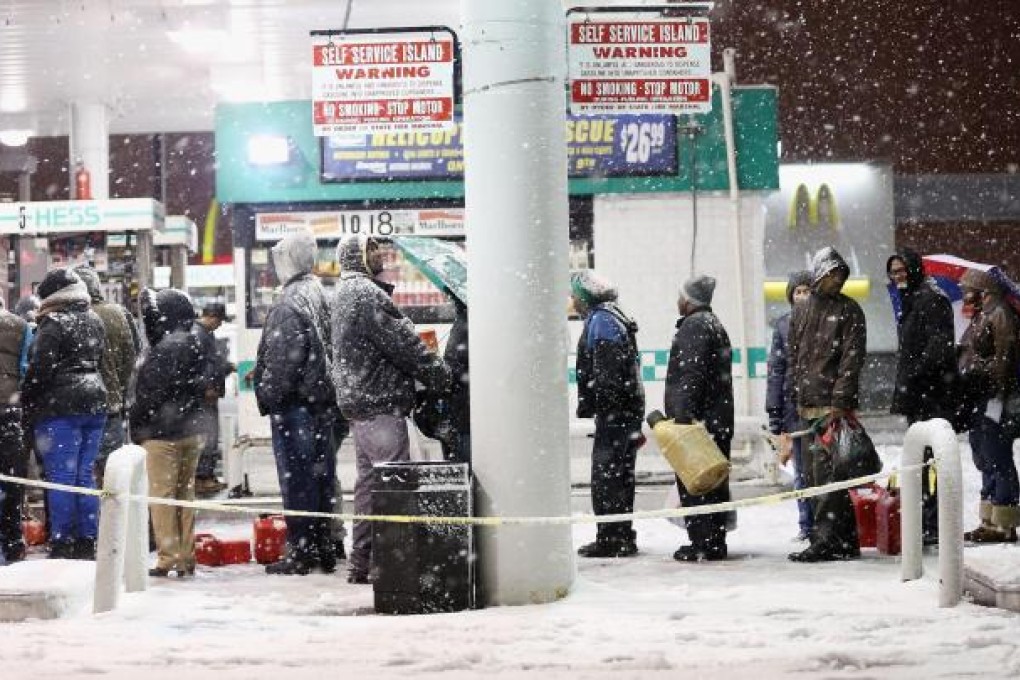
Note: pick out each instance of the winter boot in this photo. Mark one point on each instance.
(289, 566)
(608, 548)
(85, 549)
(984, 531)
(691, 553)
(1006, 518)
(62, 549)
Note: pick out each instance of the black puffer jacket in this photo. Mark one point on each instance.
(828, 340)
(699, 378)
(63, 368)
(378, 353)
(168, 386)
(294, 359)
(926, 374)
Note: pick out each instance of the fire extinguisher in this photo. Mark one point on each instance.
(82, 183)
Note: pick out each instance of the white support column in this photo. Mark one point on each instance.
(517, 218)
(939, 435)
(90, 142)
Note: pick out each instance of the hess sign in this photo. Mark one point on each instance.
(382, 81)
(639, 63)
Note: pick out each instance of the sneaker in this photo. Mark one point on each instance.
(159, 572)
(289, 567)
(608, 549)
(689, 553)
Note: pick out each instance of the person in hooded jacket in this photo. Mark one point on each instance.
(15, 337)
(294, 388)
(779, 404)
(699, 387)
(988, 362)
(164, 418)
(828, 340)
(65, 400)
(609, 389)
(117, 367)
(457, 445)
(379, 356)
(926, 372)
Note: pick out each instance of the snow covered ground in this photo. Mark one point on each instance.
(755, 615)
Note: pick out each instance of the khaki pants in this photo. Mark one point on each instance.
(172, 475)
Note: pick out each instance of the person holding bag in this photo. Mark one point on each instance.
(828, 337)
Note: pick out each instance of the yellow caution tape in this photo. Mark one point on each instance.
(665, 513)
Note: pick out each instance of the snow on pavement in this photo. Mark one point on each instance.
(756, 615)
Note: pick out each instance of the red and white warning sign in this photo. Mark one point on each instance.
(379, 82)
(639, 63)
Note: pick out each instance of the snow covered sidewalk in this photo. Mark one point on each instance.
(755, 615)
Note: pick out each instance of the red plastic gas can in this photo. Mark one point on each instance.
(865, 500)
(207, 550)
(270, 538)
(887, 523)
(235, 551)
(33, 531)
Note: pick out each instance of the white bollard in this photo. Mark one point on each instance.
(123, 544)
(939, 435)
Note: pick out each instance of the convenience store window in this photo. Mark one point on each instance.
(415, 296)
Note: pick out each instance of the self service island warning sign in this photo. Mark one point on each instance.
(639, 63)
(382, 81)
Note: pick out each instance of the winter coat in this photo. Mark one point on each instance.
(926, 365)
(988, 353)
(13, 335)
(699, 378)
(217, 368)
(827, 345)
(63, 376)
(456, 357)
(122, 344)
(609, 366)
(779, 403)
(169, 384)
(294, 359)
(379, 354)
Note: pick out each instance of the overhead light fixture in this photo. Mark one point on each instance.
(15, 137)
(268, 150)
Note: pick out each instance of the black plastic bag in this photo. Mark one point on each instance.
(853, 453)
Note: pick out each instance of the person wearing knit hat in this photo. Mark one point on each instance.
(699, 387)
(609, 389)
(64, 397)
(826, 351)
(698, 291)
(779, 403)
(382, 360)
(988, 362)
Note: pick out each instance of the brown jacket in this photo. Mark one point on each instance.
(828, 337)
(989, 352)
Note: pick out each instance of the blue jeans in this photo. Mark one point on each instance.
(306, 466)
(993, 456)
(68, 446)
